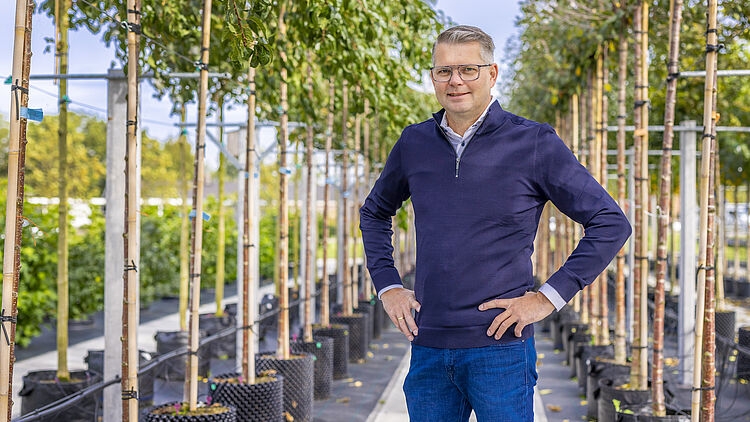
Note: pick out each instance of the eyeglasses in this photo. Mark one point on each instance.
(467, 72)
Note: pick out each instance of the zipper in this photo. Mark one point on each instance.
(445, 138)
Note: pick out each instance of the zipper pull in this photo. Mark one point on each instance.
(457, 161)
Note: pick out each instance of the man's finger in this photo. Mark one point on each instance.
(494, 304)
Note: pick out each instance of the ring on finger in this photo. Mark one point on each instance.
(400, 318)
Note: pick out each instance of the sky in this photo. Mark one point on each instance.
(89, 55)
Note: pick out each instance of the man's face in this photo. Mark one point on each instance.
(463, 99)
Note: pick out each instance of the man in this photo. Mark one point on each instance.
(479, 177)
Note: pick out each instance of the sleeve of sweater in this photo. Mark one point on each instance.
(376, 216)
(575, 192)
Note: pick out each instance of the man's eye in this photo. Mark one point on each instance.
(469, 70)
(443, 72)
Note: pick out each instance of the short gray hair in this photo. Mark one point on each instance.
(463, 34)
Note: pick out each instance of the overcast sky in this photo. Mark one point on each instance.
(89, 55)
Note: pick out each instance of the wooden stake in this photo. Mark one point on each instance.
(705, 174)
(249, 249)
(14, 202)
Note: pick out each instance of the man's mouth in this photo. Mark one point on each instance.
(457, 94)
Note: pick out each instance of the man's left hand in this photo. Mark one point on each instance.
(522, 311)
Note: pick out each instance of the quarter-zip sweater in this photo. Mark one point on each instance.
(476, 218)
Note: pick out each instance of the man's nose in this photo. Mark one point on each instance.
(455, 78)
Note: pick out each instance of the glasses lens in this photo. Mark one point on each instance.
(441, 73)
(468, 73)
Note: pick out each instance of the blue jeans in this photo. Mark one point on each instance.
(497, 382)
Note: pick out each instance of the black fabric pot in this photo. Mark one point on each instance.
(557, 326)
(584, 353)
(340, 335)
(598, 369)
(322, 348)
(643, 413)
(743, 359)
(365, 307)
(41, 388)
(358, 337)
(576, 340)
(95, 361)
(259, 402)
(224, 347)
(299, 375)
(377, 318)
(610, 389)
(174, 369)
(230, 415)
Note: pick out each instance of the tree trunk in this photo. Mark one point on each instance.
(63, 22)
(283, 245)
(347, 303)
(184, 224)
(191, 370)
(658, 406)
(703, 234)
(325, 290)
(14, 201)
(130, 351)
(309, 270)
(249, 249)
(221, 230)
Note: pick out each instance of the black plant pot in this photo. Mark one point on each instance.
(576, 340)
(95, 361)
(644, 413)
(612, 389)
(743, 359)
(299, 374)
(224, 347)
(340, 335)
(41, 388)
(584, 354)
(322, 348)
(598, 369)
(365, 307)
(358, 338)
(161, 413)
(174, 369)
(259, 402)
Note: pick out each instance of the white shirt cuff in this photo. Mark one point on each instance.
(385, 289)
(550, 293)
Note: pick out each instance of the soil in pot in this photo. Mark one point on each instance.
(41, 388)
(258, 402)
(598, 369)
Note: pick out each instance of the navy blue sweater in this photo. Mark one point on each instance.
(476, 218)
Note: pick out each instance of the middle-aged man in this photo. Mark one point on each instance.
(478, 178)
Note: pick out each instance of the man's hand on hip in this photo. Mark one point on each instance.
(398, 303)
(522, 311)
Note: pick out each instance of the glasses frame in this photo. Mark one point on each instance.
(455, 67)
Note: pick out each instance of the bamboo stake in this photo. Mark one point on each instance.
(346, 276)
(368, 288)
(644, 180)
(63, 299)
(249, 249)
(638, 369)
(283, 247)
(325, 290)
(597, 323)
(705, 173)
(131, 247)
(191, 369)
(14, 201)
(658, 406)
(221, 229)
(184, 224)
(708, 394)
(355, 204)
(309, 270)
(604, 338)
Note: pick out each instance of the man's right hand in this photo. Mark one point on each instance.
(398, 303)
